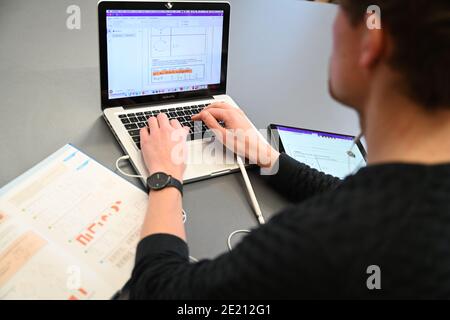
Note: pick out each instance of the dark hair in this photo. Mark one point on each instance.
(420, 30)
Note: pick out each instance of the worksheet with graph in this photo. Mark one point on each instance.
(69, 228)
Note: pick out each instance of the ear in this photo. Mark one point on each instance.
(372, 47)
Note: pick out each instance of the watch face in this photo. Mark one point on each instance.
(158, 181)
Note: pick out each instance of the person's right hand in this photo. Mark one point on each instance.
(239, 134)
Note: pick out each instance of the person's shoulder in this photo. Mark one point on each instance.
(360, 206)
(377, 217)
(370, 200)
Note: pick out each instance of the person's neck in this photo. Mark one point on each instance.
(398, 130)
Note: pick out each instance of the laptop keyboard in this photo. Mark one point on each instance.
(134, 122)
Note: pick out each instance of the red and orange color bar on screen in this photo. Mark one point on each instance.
(166, 72)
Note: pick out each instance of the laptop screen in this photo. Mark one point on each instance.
(153, 52)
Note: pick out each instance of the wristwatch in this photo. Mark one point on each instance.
(160, 181)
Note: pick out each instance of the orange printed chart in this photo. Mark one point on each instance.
(92, 230)
(66, 215)
(80, 294)
(2, 217)
(18, 254)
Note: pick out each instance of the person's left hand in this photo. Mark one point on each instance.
(164, 146)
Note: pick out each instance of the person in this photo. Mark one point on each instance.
(381, 233)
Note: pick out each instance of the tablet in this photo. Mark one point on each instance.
(325, 151)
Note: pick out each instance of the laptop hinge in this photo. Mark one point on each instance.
(158, 103)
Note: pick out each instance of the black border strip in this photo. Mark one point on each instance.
(274, 130)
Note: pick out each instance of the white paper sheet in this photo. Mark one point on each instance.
(69, 228)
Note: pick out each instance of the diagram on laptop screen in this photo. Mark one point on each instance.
(178, 54)
(156, 52)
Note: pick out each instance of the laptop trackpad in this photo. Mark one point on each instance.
(208, 158)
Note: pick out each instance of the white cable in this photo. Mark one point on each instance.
(230, 237)
(192, 259)
(248, 184)
(253, 199)
(136, 176)
(184, 216)
(124, 173)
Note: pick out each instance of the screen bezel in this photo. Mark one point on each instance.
(168, 97)
(274, 131)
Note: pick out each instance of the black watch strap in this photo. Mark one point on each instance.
(174, 183)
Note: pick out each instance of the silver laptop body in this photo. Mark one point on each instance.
(165, 57)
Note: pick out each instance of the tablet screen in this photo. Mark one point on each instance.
(326, 152)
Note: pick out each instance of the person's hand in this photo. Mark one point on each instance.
(164, 146)
(239, 134)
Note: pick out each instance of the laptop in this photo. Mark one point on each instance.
(165, 57)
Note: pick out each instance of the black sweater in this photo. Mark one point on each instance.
(394, 216)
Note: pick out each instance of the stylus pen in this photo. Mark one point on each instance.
(251, 192)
